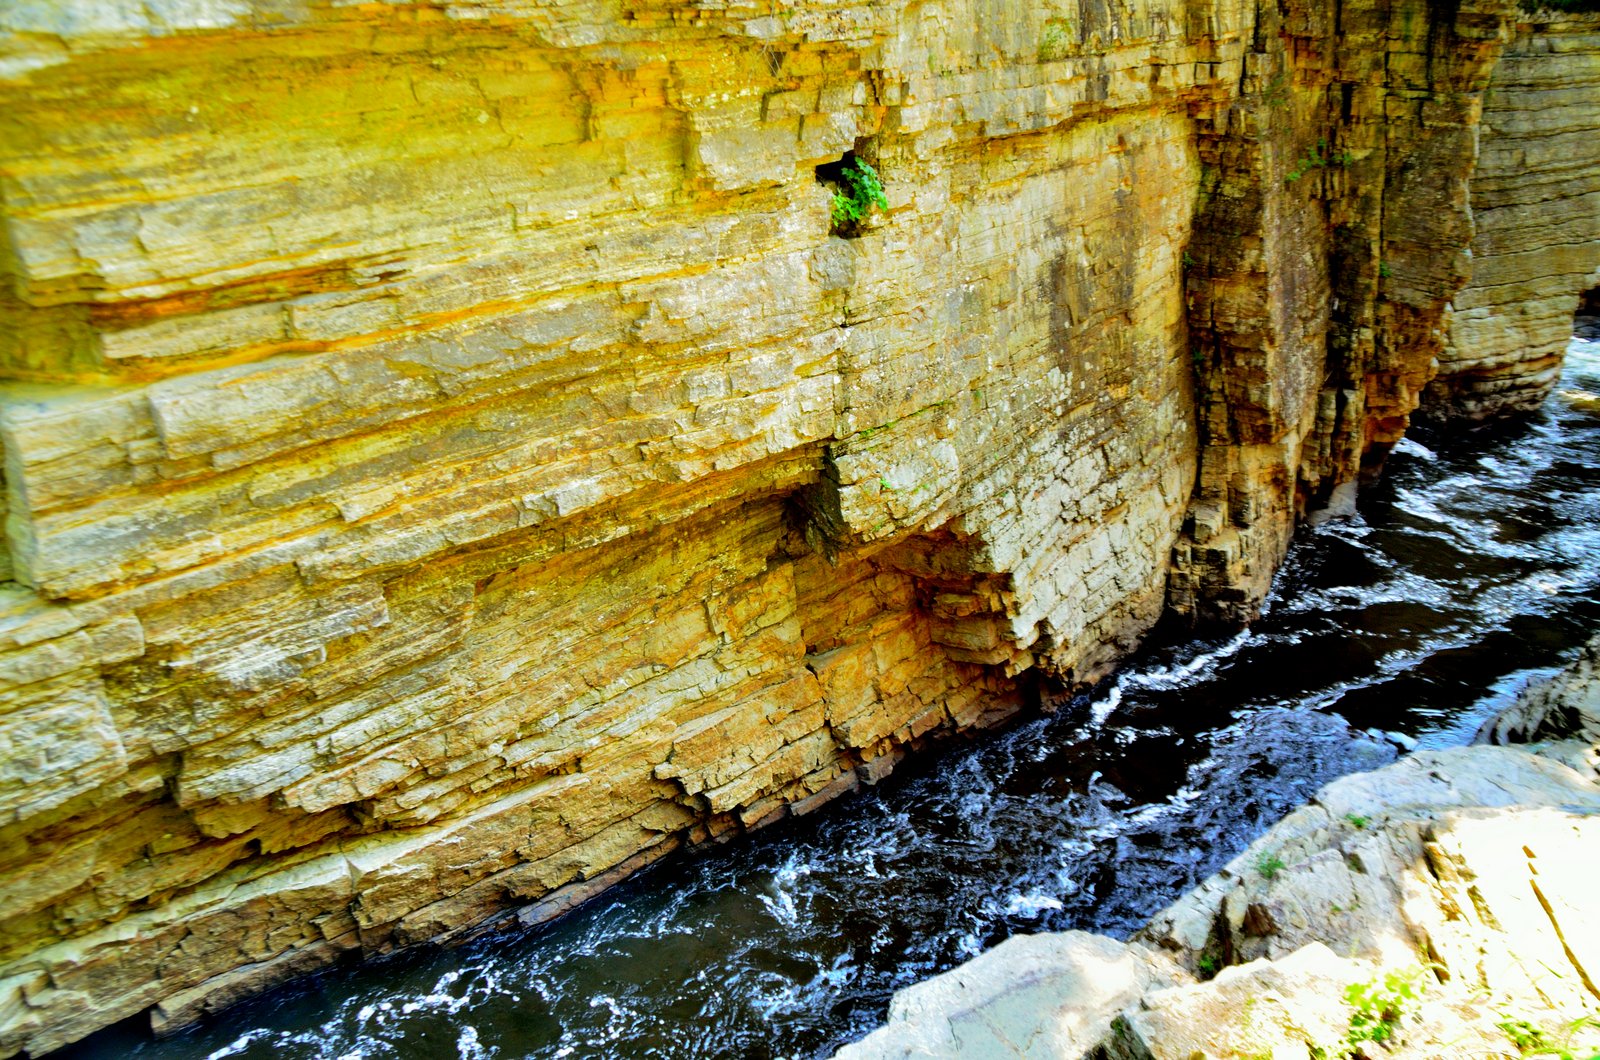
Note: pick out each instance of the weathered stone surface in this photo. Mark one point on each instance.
(1333, 229)
(449, 462)
(449, 459)
(1462, 877)
(1031, 996)
(1281, 1008)
(1536, 203)
(1355, 861)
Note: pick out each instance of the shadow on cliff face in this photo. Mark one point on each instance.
(1586, 324)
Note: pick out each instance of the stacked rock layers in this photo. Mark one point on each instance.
(1536, 201)
(449, 462)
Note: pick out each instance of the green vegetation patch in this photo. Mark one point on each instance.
(1269, 865)
(1056, 41)
(862, 192)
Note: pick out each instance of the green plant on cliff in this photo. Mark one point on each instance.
(1318, 159)
(1378, 1006)
(1056, 42)
(862, 192)
(1533, 1040)
(1302, 167)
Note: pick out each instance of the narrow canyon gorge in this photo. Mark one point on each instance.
(452, 460)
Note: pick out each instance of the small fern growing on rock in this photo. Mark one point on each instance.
(862, 191)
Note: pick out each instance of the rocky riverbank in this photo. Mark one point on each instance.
(1442, 906)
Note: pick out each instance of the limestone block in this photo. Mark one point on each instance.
(888, 490)
(62, 744)
(1276, 1008)
(1031, 996)
(735, 149)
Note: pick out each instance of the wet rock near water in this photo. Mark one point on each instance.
(1567, 707)
(1441, 906)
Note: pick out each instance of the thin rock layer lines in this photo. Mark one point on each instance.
(450, 463)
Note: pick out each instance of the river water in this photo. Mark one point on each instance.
(1469, 571)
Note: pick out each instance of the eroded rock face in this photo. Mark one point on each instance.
(449, 462)
(1536, 202)
(1332, 230)
(452, 463)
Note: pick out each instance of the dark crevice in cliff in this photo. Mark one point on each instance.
(1442, 38)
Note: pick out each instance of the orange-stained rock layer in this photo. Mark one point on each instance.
(450, 462)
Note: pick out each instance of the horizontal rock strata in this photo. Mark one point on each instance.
(452, 463)
(449, 461)
(1333, 228)
(1536, 203)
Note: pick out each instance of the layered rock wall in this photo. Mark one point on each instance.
(1536, 203)
(1332, 230)
(449, 462)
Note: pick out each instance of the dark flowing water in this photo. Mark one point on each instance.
(1468, 572)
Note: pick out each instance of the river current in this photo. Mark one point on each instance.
(1471, 569)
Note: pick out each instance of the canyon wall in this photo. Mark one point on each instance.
(1536, 204)
(450, 463)
(1332, 231)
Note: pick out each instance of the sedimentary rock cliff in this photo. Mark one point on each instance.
(449, 461)
(1536, 207)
